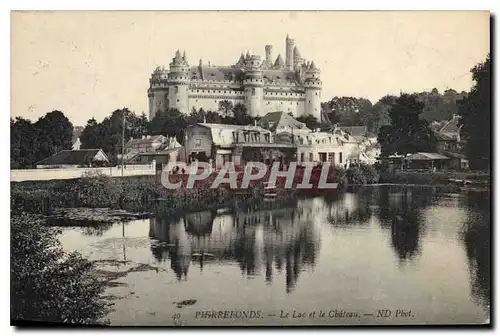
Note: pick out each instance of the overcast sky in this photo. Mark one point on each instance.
(88, 64)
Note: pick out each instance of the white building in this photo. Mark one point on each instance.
(335, 146)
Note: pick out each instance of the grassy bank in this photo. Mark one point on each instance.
(134, 193)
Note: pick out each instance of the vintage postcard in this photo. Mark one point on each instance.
(311, 168)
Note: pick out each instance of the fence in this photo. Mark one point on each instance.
(18, 175)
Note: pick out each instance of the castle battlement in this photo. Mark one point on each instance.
(259, 83)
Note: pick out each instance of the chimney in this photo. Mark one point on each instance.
(143, 137)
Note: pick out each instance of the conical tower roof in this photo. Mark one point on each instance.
(279, 62)
(177, 54)
(296, 53)
(313, 66)
(242, 59)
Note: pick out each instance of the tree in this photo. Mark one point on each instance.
(169, 123)
(240, 115)
(347, 111)
(310, 121)
(407, 133)
(55, 133)
(23, 143)
(47, 284)
(475, 121)
(91, 137)
(381, 113)
(225, 107)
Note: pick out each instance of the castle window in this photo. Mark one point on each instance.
(177, 100)
(197, 91)
(253, 91)
(316, 93)
(281, 102)
(176, 89)
(309, 101)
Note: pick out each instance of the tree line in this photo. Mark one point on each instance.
(409, 131)
(352, 111)
(32, 142)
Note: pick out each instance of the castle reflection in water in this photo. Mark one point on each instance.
(259, 240)
(267, 240)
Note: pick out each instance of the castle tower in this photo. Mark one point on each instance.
(178, 83)
(279, 63)
(297, 58)
(253, 85)
(312, 87)
(269, 56)
(158, 92)
(290, 44)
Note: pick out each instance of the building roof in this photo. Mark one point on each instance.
(279, 76)
(233, 127)
(72, 157)
(456, 155)
(421, 156)
(444, 136)
(224, 73)
(160, 152)
(355, 131)
(451, 127)
(151, 139)
(215, 73)
(272, 120)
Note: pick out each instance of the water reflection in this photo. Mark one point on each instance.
(258, 240)
(400, 210)
(476, 235)
(389, 244)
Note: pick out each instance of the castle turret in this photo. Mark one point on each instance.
(312, 85)
(269, 56)
(279, 64)
(241, 61)
(178, 83)
(297, 58)
(158, 92)
(253, 85)
(290, 44)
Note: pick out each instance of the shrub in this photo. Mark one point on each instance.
(48, 285)
(362, 174)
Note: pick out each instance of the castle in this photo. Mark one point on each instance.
(263, 86)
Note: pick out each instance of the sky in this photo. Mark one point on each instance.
(88, 64)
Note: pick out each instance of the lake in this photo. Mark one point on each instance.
(325, 260)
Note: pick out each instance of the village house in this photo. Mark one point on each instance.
(168, 152)
(450, 144)
(75, 159)
(221, 143)
(148, 143)
(335, 146)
